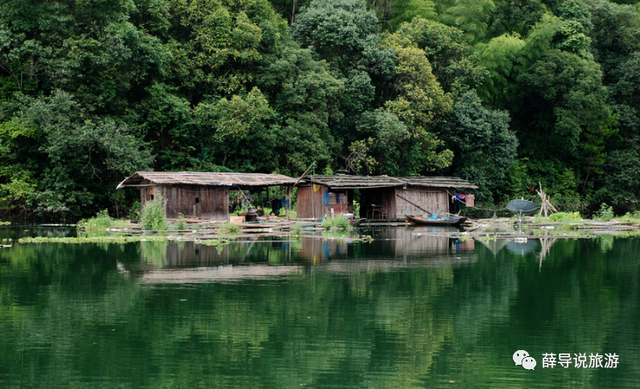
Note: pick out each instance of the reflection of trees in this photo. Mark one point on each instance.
(154, 253)
(482, 297)
(623, 271)
(366, 327)
(566, 306)
(182, 254)
(314, 322)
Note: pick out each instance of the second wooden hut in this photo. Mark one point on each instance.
(380, 197)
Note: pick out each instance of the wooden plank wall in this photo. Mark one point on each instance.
(311, 203)
(183, 254)
(213, 201)
(432, 199)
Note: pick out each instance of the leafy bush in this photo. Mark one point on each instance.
(135, 211)
(153, 216)
(605, 213)
(565, 216)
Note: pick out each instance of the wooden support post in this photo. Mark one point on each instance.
(289, 201)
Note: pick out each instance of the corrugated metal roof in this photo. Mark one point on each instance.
(363, 182)
(205, 178)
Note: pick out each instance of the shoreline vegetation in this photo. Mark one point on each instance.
(104, 229)
(154, 226)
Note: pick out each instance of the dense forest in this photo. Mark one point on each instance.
(504, 93)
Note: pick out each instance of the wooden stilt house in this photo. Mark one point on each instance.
(380, 197)
(199, 194)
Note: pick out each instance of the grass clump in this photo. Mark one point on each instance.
(213, 242)
(565, 216)
(182, 224)
(339, 222)
(153, 216)
(230, 228)
(630, 217)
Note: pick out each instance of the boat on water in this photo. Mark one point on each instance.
(433, 220)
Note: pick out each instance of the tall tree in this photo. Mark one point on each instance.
(345, 34)
(484, 145)
(69, 73)
(454, 62)
(400, 139)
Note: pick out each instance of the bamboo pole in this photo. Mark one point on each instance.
(411, 202)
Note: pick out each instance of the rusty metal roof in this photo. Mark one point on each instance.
(363, 182)
(206, 178)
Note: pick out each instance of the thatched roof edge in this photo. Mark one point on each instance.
(364, 182)
(139, 179)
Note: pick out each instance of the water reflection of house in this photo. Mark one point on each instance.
(418, 241)
(172, 261)
(200, 194)
(160, 259)
(395, 248)
(415, 243)
(189, 254)
(380, 197)
(318, 251)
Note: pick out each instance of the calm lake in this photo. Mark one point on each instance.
(408, 310)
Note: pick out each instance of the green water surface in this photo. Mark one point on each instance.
(408, 310)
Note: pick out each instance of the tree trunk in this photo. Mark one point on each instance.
(293, 11)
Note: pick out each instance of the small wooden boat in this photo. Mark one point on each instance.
(437, 221)
(356, 222)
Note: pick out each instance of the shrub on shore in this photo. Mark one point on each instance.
(340, 222)
(153, 216)
(97, 224)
